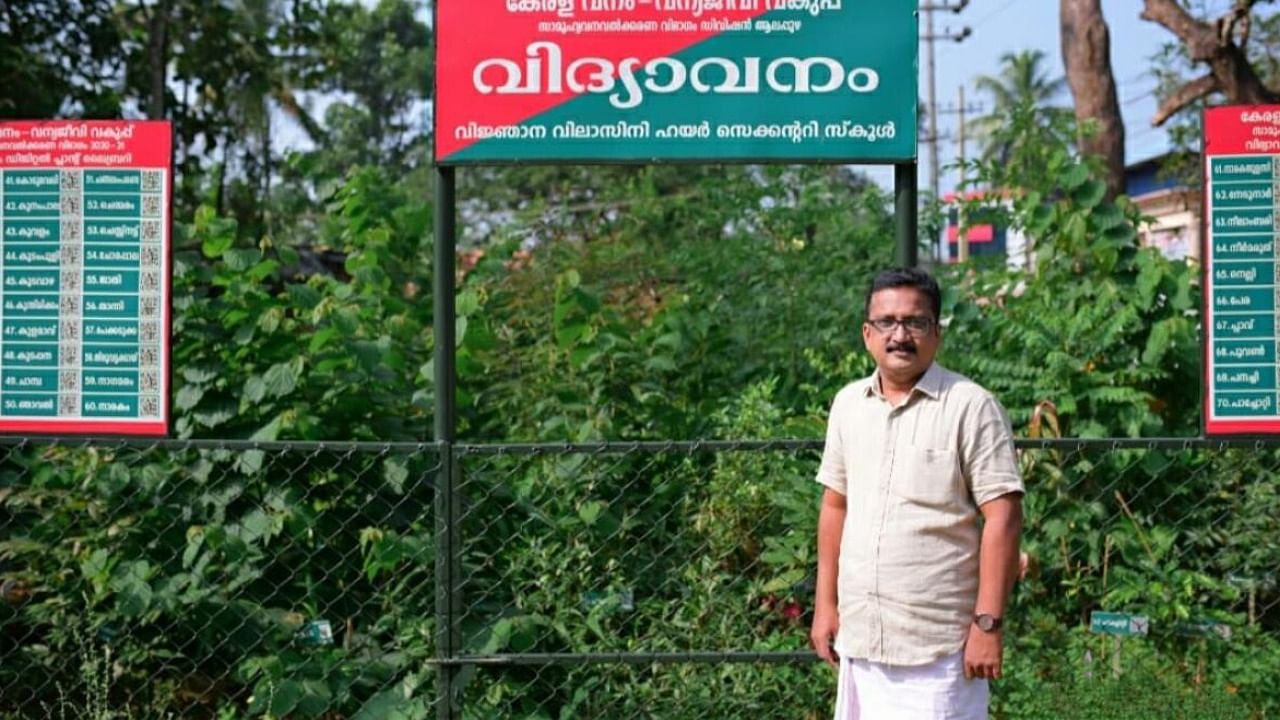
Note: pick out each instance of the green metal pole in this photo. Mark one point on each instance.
(445, 312)
(444, 322)
(906, 213)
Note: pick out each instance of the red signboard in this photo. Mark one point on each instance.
(1241, 270)
(85, 277)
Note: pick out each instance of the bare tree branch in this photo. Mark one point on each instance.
(1230, 71)
(1184, 96)
(1178, 21)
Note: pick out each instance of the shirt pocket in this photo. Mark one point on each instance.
(929, 477)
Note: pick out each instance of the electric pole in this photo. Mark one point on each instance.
(930, 37)
(963, 236)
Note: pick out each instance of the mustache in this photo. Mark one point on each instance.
(896, 346)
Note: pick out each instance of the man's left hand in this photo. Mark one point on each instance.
(982, 654)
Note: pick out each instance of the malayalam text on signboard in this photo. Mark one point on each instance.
(1242, 269)
(675, 80)
(84, 277)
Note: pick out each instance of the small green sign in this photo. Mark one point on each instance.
(623, 600)
(1260, 377)
(1244, 352)
(1237, 168)
(1244, 300)
(1119, 624)
(317, 633)
(1244, 247)
(1245, 404)
(1244, 195)
(1204, 628)
(1243, 221)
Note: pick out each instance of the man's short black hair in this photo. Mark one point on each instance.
(908, 278)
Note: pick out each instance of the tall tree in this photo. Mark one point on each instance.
(59, 59)
(1021, 84)
(1086, 54)
(1221, 44)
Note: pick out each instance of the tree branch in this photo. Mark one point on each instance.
(1184, 96)
(1215, 45)
(1200, 38)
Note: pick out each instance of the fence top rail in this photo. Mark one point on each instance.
(613, 447)
(282, 446)
(631, 658)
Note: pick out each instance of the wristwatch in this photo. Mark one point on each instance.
(987, 623)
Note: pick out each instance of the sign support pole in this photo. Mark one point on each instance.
(905, 196)
(448, 548)
(445, 313)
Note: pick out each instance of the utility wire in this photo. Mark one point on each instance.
(993, 13)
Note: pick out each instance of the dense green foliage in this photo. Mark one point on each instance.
(595, 304)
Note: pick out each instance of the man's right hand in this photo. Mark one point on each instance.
(826, 623)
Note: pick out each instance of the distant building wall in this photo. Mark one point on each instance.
(1175, 208)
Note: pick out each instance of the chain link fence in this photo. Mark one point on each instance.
(667, 580)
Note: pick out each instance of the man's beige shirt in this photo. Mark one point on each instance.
(914, 477)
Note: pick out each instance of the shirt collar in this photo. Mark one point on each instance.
(929, 384)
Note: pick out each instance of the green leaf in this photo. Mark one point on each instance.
(97, 567)
(303, 296)
(395, 471)
(285, 696)
(785, 581)
(460, 331)
(1089, 194)
(269, 432)
(215, 246)
(661, 363)
(590, 511)
(321, 339)
(1107, 216)
(133, 592)
(568, 335)
(316, 698)
(255, 389)
(282, 378)
(250, 462)
(1159, 341)
(1075, 176)
(1121, 234)
(196, 375)
(188, 397)
(586, 300)
(244, 334)
(386, 705)
(467, 302)
(195, 541)
(241, 259)
(134, 599)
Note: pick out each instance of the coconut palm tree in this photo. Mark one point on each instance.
(1022, 85)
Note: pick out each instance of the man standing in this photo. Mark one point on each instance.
(911, 588)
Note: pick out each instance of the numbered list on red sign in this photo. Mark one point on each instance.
(85, 277)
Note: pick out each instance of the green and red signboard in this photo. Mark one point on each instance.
(675, 80)
(84, 277)
(1242, 269)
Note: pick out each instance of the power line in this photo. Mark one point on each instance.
(1137, 98)
(994, 13)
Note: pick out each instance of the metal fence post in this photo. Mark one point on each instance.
(448, 637)
(448, 642)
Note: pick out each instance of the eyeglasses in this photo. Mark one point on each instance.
(913, 325)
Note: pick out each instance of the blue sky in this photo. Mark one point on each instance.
(1002, 26)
